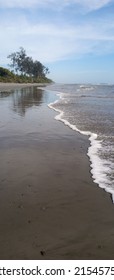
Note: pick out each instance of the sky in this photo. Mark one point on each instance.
(73, 38)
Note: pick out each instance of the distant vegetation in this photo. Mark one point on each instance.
(24, 69)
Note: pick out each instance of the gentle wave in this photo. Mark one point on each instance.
(84, 87)
(99, 167)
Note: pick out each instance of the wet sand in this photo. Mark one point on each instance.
(12, 86)
(49, 206)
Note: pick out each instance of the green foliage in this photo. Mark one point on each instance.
(5, 73)
(7, 76)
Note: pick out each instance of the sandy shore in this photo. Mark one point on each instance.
(48, 202)
(12, 86)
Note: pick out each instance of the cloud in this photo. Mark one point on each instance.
(93, 4)
(87, 4)
(50, 42)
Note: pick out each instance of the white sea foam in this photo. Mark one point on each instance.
(99, 167)
(86, 87)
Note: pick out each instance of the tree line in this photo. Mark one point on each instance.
(24, 68)
(23, 64)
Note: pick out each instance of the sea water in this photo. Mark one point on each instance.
(89, 109)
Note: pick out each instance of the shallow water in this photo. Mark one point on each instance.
(89, 109)
(84, 108)
(23, 117)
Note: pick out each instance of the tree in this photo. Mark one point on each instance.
(38, 69)
(23, 64)
(46, 70)
(17, 60)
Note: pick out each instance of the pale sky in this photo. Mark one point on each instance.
(74, 38)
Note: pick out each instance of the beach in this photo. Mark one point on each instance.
(50, 208)
(12, 86)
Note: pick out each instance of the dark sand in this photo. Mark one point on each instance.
(48, 201)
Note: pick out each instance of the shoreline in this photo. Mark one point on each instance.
(13, 86)
(48, 201)
(94, 144)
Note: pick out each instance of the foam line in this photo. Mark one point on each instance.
(99, 167)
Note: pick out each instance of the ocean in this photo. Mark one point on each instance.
(89, 109)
